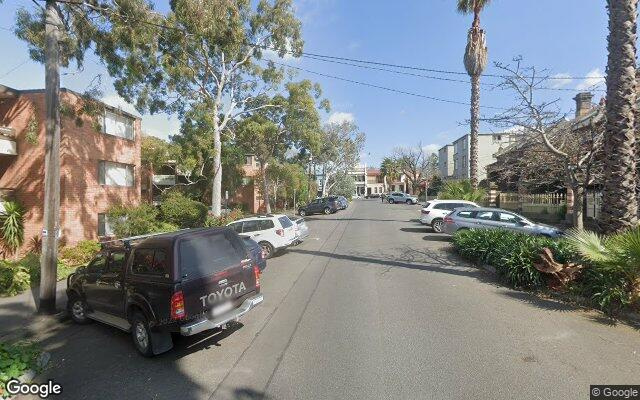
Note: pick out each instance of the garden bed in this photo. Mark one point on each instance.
(610, 287)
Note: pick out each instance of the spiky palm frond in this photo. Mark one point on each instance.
(589, 245)
(12, 225)
(461, 190)
(470, 6)
(626, 248)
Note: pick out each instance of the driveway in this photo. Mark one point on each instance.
(371, 306)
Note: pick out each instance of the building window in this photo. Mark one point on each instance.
(118, 125)
(246, 181)
(115, 174)
(248, 160)
(104, 228)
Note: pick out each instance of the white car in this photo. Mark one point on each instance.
(273, 232)
(434, 211)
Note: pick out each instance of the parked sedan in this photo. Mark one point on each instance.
(495, 218)
(325, 205)
(255, 251)
(399, 197)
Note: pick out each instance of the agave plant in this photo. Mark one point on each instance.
(462, 190)
(12, 225)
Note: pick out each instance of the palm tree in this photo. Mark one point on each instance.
(475, 61)
(389, 169)
(619, 202)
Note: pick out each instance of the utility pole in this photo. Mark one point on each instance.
(49, 257)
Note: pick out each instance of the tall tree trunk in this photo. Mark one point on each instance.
(619, 202)
(578, 207)
(473, 145)
(49, 256)
(265, 187)
(216, 187)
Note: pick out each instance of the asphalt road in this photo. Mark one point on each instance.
(372, 306)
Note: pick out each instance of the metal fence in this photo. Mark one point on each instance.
(545, 206)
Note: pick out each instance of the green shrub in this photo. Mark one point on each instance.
(15, 360)
(612, 280)
(12, 225)
(462, 190)
(14, 279)
(18, 276)
(181, 211)
(139, 220)
(512, 254)
(81, 254)
(223, 220)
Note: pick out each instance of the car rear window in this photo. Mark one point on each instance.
(150, 262)
(467, 214)
(207, 254)
(443, 206)
(285, 222)
(426, 205)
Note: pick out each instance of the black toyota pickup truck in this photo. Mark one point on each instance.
(180, 282)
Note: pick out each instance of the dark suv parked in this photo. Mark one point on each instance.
(326, 205)
(184, 282)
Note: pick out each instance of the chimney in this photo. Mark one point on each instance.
(583, 104)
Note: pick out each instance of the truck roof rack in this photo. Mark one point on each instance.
(126, 242)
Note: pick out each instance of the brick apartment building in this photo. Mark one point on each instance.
(249, 194)
(100, 166)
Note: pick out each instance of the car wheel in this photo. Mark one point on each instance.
(409, 202)
(78, 310)
(327, 211)
(390, 201)
(141, 334)
(437, 225)
(302, 213)
(267, 249)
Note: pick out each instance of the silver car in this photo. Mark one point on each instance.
(399, 197)
(495, 218)
(302, 230)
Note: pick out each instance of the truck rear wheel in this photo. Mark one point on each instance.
(141, 334)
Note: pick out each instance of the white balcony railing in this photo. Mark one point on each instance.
(164, 180)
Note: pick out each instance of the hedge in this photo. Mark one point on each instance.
(511, 254)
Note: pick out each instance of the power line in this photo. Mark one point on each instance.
(317, 55)
(426, 76)
(384, 87)
(14, 68)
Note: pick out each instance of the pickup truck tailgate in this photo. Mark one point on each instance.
(217, 273)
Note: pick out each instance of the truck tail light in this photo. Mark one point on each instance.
(425, 212)
(280, 232)
(256, 273)
(177, 306)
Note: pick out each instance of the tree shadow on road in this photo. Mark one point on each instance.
(408, 258)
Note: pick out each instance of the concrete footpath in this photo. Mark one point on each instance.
(19, 317)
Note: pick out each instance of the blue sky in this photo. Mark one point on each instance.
(567, 37)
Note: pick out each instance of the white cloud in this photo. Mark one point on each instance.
(431, 148)
(159, 125)
(561, 80)
(593, 78)
(341, 117)
(273, 55)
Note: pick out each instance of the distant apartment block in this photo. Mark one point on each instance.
(453, 159)
(99, 165)
(368, 181)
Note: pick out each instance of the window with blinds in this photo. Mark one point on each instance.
(118, 125)
(115, 174)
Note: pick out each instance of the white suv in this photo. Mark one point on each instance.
(434, 211)
(273, 232)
